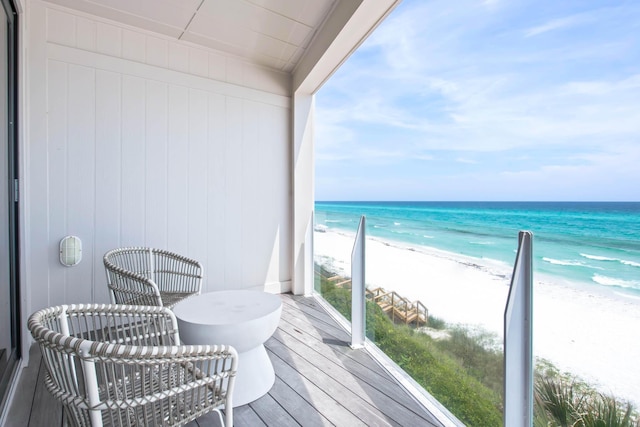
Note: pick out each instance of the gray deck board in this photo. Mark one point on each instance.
(332, 336)
(358, 363)
(314, 321)
(296, 405)
(322, 400)
(335, 389)
(49, 411)
(246, 416)
(320, 381)
(21, 408)
(272, 413)
(328, 367)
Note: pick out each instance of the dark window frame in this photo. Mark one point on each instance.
(13, 203)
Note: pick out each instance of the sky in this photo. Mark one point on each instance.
(486, 100)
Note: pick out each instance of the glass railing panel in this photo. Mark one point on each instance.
(587, 314)
(435, 311)
(425, 312)
(334, 235)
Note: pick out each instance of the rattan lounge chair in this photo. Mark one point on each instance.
(147, 276)
(121, 365)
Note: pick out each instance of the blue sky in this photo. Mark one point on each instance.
(487, 100)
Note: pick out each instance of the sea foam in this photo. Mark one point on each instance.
(604, 258)
(610, 281)
(599, 258)
(562, 262)
(631, 263)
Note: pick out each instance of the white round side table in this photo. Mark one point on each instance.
(244, 319)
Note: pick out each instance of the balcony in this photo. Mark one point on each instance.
(320, 380)
(175, 124)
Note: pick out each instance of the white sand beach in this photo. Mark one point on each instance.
(591, 334)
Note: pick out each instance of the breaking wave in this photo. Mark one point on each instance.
(563, 262)
(599, 258)
(604, 258)
(610, 281)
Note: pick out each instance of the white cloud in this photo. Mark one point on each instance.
(441, 77)
(467, 161)
(557, 24)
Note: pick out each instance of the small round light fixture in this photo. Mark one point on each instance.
(70, 251)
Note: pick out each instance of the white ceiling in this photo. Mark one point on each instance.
(273, 33)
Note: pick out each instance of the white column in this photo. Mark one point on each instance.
(302, 193)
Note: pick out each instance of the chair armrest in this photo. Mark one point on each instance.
(176, 273)
(164, 371)
(128, 287)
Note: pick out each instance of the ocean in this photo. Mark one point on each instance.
(595, 244)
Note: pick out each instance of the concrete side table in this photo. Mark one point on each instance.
(243, 319)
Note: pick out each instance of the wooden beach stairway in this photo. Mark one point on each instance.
(398, 308)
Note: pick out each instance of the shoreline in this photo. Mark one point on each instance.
(586, 332)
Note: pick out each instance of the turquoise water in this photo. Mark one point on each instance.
(597, 244)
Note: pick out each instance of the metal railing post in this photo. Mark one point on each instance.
(358, 304)
(518, 334)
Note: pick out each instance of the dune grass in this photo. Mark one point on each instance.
(440, 374)
(562, 399)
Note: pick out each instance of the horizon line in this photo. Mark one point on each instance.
(476, 201)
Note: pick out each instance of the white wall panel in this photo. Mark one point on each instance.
(108, 173)
(61, 27)
(197, 172)
(199, 62)
(216, 186)
(56, 174)
(155, 194)
(273, 122)
(108, 39)
(178, 57)
(132, 213)
(146, 142)
(81, 195)
(178, 179)
(232, 238)
(251, 190)
(86, 33)
(157, 52)
(217, 67)
(134, 46)
(235, 72)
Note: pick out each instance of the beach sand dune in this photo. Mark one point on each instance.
(579, 329)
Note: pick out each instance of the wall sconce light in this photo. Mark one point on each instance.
(70, 251)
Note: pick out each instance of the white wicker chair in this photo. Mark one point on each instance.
(147, 276)
(121, 365)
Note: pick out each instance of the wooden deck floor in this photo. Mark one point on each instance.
(320, 381)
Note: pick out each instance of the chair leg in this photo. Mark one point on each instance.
(229, 415)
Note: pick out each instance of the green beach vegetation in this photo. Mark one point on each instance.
(561, 399)
(464, 371)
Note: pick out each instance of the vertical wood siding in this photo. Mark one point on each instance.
(146, 143)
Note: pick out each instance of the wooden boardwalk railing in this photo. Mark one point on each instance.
(398, 308)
